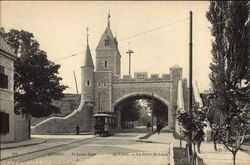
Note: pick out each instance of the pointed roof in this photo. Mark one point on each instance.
(5, 47)
(87, 61)
(107, 35)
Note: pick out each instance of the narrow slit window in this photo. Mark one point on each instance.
(105, 64)
(88, 83)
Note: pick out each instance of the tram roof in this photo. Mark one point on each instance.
(103, 114)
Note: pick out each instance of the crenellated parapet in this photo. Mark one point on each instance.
(142, 77)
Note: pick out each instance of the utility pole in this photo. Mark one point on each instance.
(190, 71)
(75, 81)
(129, 52)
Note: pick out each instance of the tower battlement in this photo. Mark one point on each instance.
(142, 76)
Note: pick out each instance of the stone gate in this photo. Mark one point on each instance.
(103, 87)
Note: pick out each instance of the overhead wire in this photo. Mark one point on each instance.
(132, 36)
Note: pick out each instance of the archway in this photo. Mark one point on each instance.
(160, 108)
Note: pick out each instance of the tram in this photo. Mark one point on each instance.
(105, 124)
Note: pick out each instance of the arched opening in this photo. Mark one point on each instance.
(136, 109)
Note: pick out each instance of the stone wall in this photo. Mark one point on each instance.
(68, 104)
(68, 123)
(175, 76)
(124, 90)
(21, 128)
(103, 90)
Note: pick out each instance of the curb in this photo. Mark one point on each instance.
(149, 141)
(23, 145)
(145, 141)
(83, 133)
(44, 149)
(171, 154)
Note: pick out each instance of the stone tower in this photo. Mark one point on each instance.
(108, 57)
(87, 76)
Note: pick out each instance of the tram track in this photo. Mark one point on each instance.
(46, 151)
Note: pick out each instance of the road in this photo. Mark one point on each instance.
(119, 149)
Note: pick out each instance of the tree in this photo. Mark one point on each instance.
(129, 111)
(192, 123)
(230, 69)
(159, 109)
(36, 81)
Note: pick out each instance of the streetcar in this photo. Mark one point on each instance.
(105, 124)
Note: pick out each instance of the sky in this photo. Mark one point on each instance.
(60, 29)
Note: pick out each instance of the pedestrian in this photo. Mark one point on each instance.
(158, 127)
(148, 125)
(199, 137)
(77, 129)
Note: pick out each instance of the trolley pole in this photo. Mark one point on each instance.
(75, 81)
(129, 52)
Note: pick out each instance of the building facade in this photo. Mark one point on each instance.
(104, 90)
(7, 117)
(104, 87)
(13, 128)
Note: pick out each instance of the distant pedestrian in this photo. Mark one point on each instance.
(158, 127)
(148, 125)
(77, 129)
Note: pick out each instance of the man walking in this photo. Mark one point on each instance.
(77, 129)
(148, 125)
(158, 127)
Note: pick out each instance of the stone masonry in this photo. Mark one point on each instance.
(103, 88)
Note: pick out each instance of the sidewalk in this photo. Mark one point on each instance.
(38, 143)
(29, 142)
(208, 155)
(222, 156)
(164, 137)
(36, 139)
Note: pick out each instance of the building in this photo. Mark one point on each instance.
(13, 127)
(7, 116)
(103, 89)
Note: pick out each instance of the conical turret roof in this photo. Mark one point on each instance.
(107, 35)
(87, 61)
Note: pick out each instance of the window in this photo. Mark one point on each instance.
(1, 69)
(4, 122)
(106, 42)
(99, 84)
(105, 64)
(3, 78)
(88, 83)
(104, 84)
